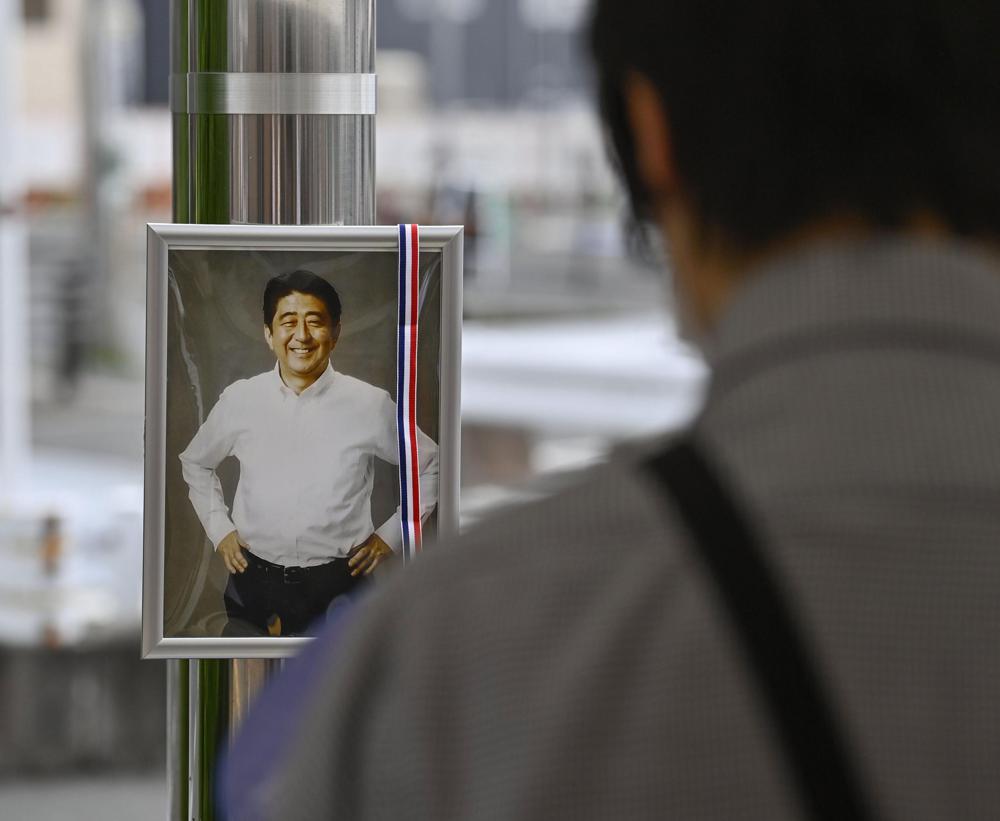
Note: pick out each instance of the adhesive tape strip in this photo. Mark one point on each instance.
(219, 92)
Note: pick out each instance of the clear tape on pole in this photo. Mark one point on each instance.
(222, 92)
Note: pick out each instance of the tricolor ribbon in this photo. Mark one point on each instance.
(406, 388)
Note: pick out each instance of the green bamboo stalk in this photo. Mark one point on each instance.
(211, 156)
(213, 711)
(200, 195)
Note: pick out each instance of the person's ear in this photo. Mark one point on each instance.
(335, 335)
(654, 155)
(268, 338)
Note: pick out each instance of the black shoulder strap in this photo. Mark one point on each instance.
(814, 749)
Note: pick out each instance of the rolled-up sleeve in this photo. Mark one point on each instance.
(211, 444)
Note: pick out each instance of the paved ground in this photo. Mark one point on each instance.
(105, 798)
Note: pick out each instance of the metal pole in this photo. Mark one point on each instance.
(238, 161)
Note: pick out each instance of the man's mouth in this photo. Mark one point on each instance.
(302, 351)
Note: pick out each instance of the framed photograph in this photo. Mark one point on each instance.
(290, 372)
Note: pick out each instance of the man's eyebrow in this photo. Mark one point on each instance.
(320, 314)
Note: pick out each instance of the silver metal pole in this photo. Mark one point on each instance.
(273, 123)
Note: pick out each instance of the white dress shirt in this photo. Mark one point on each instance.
(306, 466)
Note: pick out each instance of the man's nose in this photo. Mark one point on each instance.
(302, 331)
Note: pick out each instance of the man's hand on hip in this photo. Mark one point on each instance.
(231, 550)
(369, 555)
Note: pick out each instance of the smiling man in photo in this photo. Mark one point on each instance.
(300, 532)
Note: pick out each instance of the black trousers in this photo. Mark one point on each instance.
(270, 599)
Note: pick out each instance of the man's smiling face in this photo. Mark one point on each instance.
(301, 336)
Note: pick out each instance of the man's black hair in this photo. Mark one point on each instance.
(787, 111)
(303, 282)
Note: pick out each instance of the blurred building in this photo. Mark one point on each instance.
(74, 692)
(482, 54)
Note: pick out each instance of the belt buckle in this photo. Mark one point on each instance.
(292, 575)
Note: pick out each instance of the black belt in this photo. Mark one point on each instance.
(289, 574)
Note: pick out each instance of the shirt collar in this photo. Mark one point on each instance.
(317, 388)
(878, 281)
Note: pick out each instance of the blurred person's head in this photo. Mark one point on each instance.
(742, 129)
(301, 325)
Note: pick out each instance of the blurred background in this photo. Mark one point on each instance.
(485, 119)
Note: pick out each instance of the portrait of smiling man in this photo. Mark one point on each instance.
(300, 532)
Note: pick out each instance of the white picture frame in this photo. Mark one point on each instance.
(183, 285)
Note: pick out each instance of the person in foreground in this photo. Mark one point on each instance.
(306, 436)
(824, 177)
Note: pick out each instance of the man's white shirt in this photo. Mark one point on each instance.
(306, 466)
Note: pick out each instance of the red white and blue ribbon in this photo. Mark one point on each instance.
(406, 388)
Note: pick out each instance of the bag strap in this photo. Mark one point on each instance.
(813, 746)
